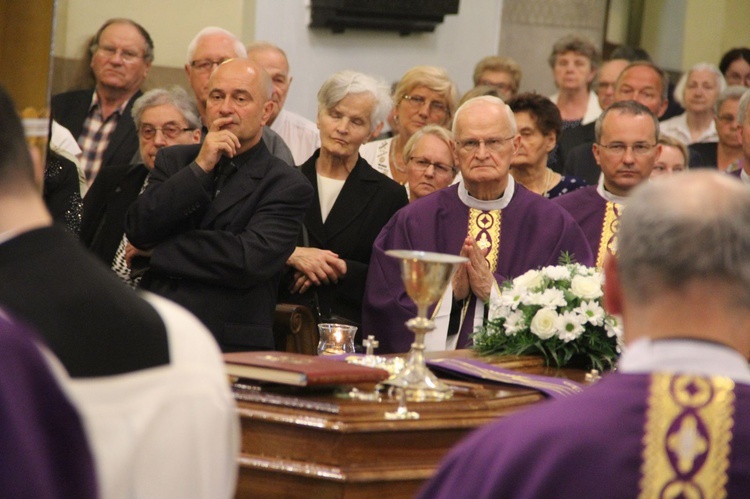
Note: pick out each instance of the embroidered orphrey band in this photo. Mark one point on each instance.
(484, 227)
(610, 227)
(687, 437)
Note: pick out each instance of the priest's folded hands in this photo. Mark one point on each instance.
(475, 275)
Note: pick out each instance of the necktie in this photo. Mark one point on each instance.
(224, 171)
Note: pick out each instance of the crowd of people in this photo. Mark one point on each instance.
(225, 202)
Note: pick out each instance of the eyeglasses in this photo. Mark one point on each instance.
(205, 65)
(421, 164)
(148, 132)
(109, 51)
(617, 149)
(727, 119)
(470, 146)
(417, 102)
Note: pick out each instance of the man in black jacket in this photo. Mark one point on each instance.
(220, 219)
(99, 117)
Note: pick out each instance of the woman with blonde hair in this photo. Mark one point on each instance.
(429, 161)
(674, 157)
(425, 95)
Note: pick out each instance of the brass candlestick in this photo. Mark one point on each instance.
(426, 276)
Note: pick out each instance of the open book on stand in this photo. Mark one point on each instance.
(299, 370)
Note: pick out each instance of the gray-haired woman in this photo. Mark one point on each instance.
(352, 201)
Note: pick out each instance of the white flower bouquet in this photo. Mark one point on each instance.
(556, 312)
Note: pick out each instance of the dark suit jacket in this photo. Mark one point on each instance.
(703, 154)
(90, 320)
(105, 206)
(70, 110)
(572, 138)
(581, 162)
(365, 204)
(221, 258)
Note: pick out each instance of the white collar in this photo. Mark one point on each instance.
(744, 177)
(684, 356)
(608, 195)
(493, 204)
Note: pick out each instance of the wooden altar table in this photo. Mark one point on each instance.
(319, 445)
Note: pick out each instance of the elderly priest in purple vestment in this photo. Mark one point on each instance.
(626, 149)
(672, 421)
(500, 226)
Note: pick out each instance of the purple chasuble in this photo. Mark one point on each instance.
(43, 448)
(534, 232)
(604, 443)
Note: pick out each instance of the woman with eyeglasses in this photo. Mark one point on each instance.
(352, 202)
(425, 95)
(539, 125)
(162, 118)
(429, 161)
(697, 91)
(725, 154)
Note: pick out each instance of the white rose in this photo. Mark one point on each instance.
(530, 280)
(544, 323)
(587, 287)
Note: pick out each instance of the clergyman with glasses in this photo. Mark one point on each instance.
(162, 118)
(626, 150)
(504, 230)
(100, 117)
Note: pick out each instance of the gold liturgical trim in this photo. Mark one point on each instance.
(687, 437)
(610, 227)
(484, 227)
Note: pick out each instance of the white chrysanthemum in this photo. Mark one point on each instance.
(586, 287)
(569, 326)
(613, 326)
(530, 280)
(497, 310)
(586, 271)
(511, 298)
(557, 272)
(531, 298)
(515, 323)
(552, 298)
(544, 323)
(593, 312)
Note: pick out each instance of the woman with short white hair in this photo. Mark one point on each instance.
(352, 202)
(697, 92)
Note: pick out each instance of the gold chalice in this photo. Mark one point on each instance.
(426, 276)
